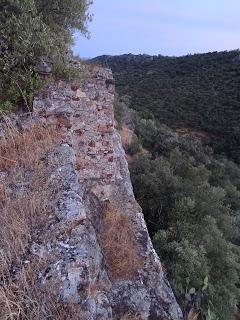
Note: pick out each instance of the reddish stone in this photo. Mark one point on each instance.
(64, 122)
(110, 159)
(106, 128)
(92, 144)
(80, 165)
(79, 132)
(105, 143)
(41, 113)
(74, 87)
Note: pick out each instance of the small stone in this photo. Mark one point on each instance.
(79, 132)
(92, 144)
(80, 94)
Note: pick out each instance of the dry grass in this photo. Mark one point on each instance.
(89, 63)
(20, 218)
(193, 315)
(126, 135)
(24, 148)
(24, 219)
(118, 244)
(23, 299)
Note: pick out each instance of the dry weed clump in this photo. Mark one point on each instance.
(22, 212)
(25, 148)
(20, 218)
(24, 300)
(193, 315)
(24, 220)
(119, 247)
(90, 64)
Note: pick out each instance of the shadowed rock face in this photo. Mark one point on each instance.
(99, 254)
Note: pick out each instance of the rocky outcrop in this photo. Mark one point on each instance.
(94, 243)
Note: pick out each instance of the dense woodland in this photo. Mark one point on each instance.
(200, 91)
(187, 182)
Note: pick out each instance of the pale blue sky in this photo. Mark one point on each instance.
(168, 27)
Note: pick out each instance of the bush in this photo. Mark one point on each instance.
(65, 71)
(134, 148)
(191, 200)
(33, 31)
(20, 88)
(199, 92)
(191, 225)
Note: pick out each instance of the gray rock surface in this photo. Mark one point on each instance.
(90, 194)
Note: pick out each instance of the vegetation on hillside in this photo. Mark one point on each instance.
(200, 91)
(191, 200)
(35, 33)
(186, 114)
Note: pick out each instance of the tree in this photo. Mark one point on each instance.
(192, 227)
(33, 31)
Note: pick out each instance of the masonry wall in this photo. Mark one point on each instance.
(94, 247)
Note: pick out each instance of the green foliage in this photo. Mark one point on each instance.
(118, 111)
(190, 199)
(134, 148)
(33, 31)
(6, 106)
(20, 87)
(65, 71)
(198, 91)
(65, 15)
(189, 192)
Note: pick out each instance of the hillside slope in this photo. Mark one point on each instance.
(190, 195)
(195, 92)
(191, 200)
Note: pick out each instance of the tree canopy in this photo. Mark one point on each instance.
(191, 202)
(33, 31)
(195, 92)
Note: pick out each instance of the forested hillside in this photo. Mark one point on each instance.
(194, 92)
(183, 160)
(191, 202)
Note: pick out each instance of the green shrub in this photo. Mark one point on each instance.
(65, 71)
(20, 89)
(33, 31)
(191, 201)
(199, 92)
(134, 148)
(191, 225)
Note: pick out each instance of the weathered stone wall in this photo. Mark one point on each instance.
(93, 210)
